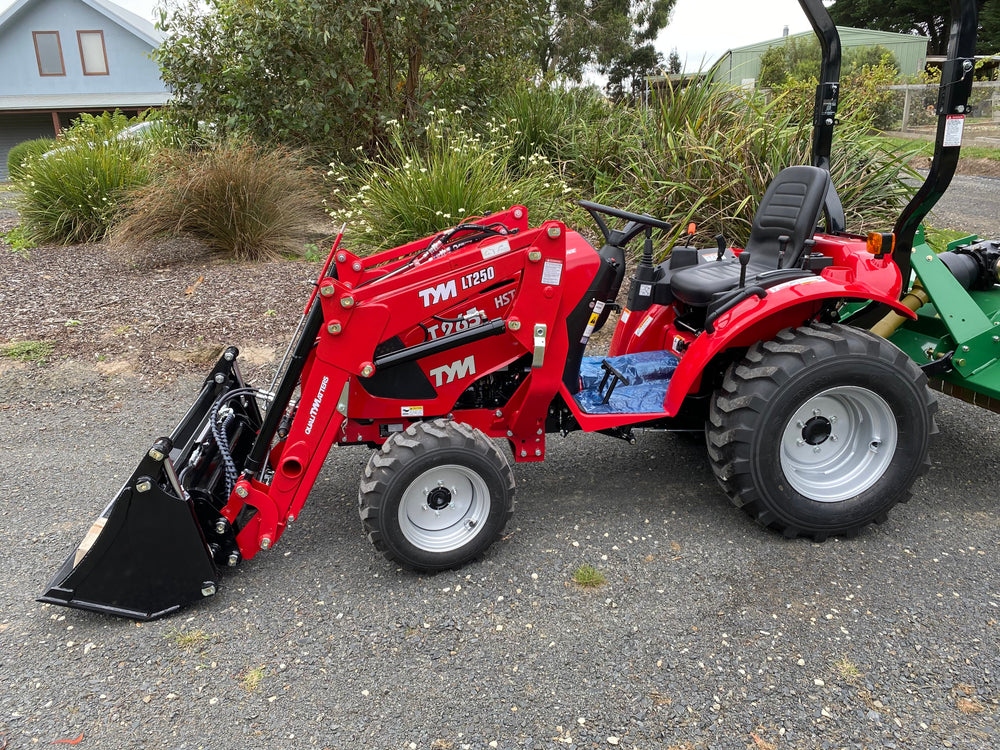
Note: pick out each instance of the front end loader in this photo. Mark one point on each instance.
(436, 353)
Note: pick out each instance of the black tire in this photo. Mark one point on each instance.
(436, 495)
(768, 452)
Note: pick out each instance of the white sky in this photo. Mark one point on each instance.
(701, 30)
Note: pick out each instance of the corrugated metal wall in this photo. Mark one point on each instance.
(15, 128)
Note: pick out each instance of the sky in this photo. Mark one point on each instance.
(701, 30)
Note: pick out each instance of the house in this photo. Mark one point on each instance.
(741, 66)
(63, 57)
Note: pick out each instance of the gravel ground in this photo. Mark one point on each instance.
(709, 633)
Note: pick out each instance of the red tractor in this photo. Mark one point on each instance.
(430, 352)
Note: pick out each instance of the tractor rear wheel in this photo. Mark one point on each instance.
(821, 430)
(436, 495)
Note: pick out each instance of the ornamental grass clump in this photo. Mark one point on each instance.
(417, 187)
(73, 193)
(240, 200)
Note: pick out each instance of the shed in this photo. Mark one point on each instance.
(742, 65)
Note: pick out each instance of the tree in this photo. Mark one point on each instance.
(329, 75)
(610, 34)
(931, 18)
(674, 62)
(773, 68)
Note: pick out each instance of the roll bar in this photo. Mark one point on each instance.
(828, 89)
(952, 106)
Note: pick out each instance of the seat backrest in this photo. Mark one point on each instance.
(791, 206)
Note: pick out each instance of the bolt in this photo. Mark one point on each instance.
(327, 290)
(554, 233)
(143, 485)
(356, 266)
(800, 441)
(833, 418)
(291, 518)
(800, 424)
(265, 542)
(518, 213)
(234, 557)
(207, 588)
(514, 325)
(228, 356)
(341, 257)
(346, 302)
(334, 328)
(220, 526)
(538, 451)
(965, 348)
(816, 449)
(219, 378)
(510, 434)
(242, 491)
(534, 256)
(523, 453)
(930, 258)
(156, 454)
(960, 362)
(367, 371)
(539, 431)
(540, 331)
(816, 412)
(498, 413)
(833, 438)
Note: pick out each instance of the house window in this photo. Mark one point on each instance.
(93, 55)
(48, 52)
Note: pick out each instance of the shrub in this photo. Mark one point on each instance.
(242, 200)
(24, 151)
(73, 193)
(710, 150)
(416, 189)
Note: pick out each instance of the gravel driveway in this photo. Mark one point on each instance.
(710, 632)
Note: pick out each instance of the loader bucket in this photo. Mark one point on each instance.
(156, 546)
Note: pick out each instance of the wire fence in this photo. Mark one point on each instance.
(914, 111)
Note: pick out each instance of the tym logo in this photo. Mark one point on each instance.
(435, 294)
(455, 371)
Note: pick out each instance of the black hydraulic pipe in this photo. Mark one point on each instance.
(427, 348)
(828, 90)
(953, 101)
(286, 387)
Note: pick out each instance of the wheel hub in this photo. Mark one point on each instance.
(439, 498)
(817, 430)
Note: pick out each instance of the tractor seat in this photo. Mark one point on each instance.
(791, 206)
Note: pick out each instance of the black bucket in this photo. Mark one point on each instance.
(158, 545)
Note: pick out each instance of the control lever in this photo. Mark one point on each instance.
(783, 241)
(720, 240)
(744, 262)
(692, 229)
(807, 250)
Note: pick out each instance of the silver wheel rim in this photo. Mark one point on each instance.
(838, 443)
(444, 508)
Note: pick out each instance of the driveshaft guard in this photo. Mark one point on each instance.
(145, 556)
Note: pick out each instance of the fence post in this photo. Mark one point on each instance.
(906, 109)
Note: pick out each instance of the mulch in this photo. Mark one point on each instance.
(173, 316)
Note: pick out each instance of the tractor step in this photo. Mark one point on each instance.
(628, 384)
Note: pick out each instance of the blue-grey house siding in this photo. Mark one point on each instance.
(33, 105)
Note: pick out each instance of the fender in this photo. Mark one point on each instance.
(789, 304)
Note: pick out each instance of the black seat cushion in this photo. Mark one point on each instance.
(790, 207)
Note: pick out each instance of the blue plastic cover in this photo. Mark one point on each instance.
(648, 374)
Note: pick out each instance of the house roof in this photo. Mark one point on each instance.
(128, 20)
(76, 102)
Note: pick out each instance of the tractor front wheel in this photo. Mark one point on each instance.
(436, 495)
(821, 431)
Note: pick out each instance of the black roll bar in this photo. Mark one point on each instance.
(952, 106)
(828, 89)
